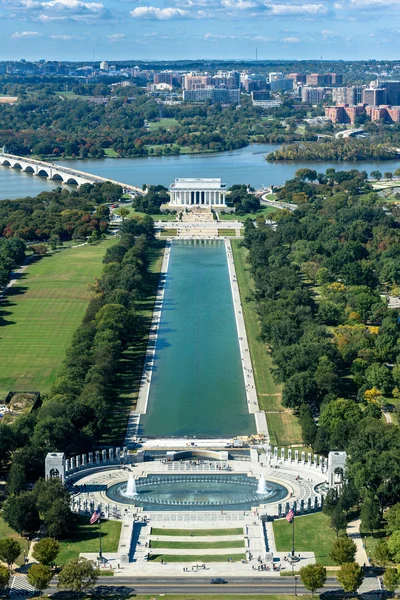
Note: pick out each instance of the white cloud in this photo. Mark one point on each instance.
(47, 11)
(158, 14)
(116, 37)
(291, 40)
(24, 34)
(297, 9)
(65, 38)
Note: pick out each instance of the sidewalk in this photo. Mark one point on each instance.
(353, 531)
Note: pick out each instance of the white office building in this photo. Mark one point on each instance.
(197, 192)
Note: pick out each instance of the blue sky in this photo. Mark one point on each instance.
(174, 29)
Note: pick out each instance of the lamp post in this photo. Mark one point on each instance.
(295, 584)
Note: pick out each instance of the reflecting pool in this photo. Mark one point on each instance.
(198, 492)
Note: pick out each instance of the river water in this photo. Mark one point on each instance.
(246, 165)
(197, 386)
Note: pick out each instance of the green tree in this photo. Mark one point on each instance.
(338, 520)
(376, 175)
(78, 575)
(123, 213)
(392, 518)
(394, 546)
(370, 514)
(16, 481)
(348, 496)
(20, 513)
(313, 577)
(388, 175)
(4, 577)
(46, 551)
(10, 549)
(382, 553)
(40, 576)
(350, 576)
(343, 550)
(391, 579)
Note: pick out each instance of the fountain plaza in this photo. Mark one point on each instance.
(192, 488)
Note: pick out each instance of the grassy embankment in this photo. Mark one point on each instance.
(7, 532)
(127, 382)
(264, 211)
(312, 534)
(168, 233)
(40, 314)
(283, 427)
(86, 539)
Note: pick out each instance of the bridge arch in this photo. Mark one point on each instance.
(57, 177)
(43, 173)
(6, 163)
(17, 166)
(29, 169)
(71, 181)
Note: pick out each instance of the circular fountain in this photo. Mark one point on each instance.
(197, 492)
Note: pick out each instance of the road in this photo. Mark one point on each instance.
(202, 585)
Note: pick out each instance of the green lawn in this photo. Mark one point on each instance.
(168, 232)
(312, 534)
(196, 532)
(193, 558)
(160, 217)
(196, 545)
(86, 539)
(39, 316)
(226, 232)
(163, 123)
(110, 153)
(127, 381)
(234, 217)
(283, 427)
(6, 532)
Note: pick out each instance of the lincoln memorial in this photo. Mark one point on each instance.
(197, 191)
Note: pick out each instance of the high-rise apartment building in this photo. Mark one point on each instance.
(315, 79)
(392, 92)
(104, 65)
(163, 77)
(312, 95)
(196, 81)
(222, 95)
(374, 96)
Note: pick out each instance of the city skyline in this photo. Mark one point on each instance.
(199, 29)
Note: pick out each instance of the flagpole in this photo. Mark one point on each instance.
(100, 550)
(293, 537)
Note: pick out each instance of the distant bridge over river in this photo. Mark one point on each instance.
(59, 173)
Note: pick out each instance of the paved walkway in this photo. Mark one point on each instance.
(251, 392)
(143, 397)
(353, 531)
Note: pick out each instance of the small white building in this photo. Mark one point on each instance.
(196, 191)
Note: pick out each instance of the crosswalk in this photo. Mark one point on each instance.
(20, 587)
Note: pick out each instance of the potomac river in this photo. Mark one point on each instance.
(246, 165)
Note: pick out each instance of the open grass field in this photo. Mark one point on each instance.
(110, 153)
(7, 532)
(196, 545)
(168, 232)
(163, 123)
(195, 558)
(196, 532)
(127, 382)
(40, 314)
(161, 217)
(312, 534)
(264, 211)
(283, 427)
(86, 539)
(226, 232)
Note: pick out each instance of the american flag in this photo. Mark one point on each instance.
(95, 516)
(290, 516)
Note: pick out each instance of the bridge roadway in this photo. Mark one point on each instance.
(59, 173)
(201, 585)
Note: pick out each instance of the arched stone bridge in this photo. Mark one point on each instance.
(59, 173)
